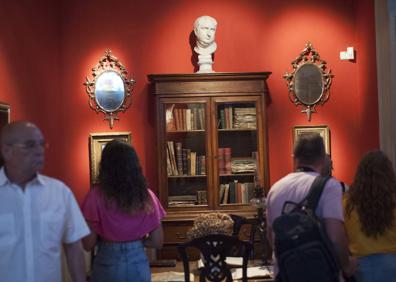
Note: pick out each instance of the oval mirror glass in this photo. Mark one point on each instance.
(308, 84)
(109, 91)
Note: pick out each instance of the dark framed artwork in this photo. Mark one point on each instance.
(322, 130)
(97, 142)
(4, 119)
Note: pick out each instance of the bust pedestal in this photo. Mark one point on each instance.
(205, 63)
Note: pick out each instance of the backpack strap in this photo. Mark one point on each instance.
(312, 199)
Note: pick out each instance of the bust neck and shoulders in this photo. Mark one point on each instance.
(208, 50)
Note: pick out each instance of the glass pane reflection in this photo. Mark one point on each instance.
(109, 91)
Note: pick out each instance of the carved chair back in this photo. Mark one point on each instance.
(214, 249)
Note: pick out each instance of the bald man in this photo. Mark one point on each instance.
(38, 214)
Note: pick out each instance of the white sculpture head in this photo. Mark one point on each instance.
(205, 29)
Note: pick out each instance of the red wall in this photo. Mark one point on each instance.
(60, 43)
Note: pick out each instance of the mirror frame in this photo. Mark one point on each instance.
(109, 63)
(309, 56)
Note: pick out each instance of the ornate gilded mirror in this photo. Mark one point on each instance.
(109, 90)
(309, 82)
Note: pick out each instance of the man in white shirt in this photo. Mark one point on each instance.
(37, 213)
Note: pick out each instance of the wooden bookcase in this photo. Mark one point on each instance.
(211, 144)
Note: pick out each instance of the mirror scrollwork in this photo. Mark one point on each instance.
(109, 89)
(309, 82)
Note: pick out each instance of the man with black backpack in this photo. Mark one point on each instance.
(305, 220)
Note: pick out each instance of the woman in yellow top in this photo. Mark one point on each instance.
(370, 218)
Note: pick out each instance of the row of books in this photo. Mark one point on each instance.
(236, 192)
(200, 198)
(182, 200)
(185, 119)
(240, 118)
(182, 161)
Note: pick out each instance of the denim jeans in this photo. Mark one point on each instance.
(121, 262)
(376, 268)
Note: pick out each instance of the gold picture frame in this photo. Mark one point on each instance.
(322, 130)
(4, 120)
(97, 141)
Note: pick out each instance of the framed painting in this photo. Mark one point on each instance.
(97, 142)
(4, 119)
(322, 130)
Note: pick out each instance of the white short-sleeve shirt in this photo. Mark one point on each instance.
(33, 226)
(295, 186)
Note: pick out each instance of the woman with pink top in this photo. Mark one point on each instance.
(124, 217)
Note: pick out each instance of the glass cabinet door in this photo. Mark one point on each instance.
(237, 150)
(186, 154)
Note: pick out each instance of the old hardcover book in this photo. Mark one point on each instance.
(178, 119)
(201, 114)
(172, 158)
(222, 119)
(232, 192)
(179, 158)
(188, 161)
(168, 162)
(184, 157)
(221, 193)
(220, 161)
(227, 117)
(231, 117)
(226, 192)
(203, 165)
(193, 161)
(227, 160)
(202, 197)
(188, 119)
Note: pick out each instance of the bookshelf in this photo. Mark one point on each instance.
(211, 145)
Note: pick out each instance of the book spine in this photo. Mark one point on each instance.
(239, 193)
(168, 162)
(203, 165)
(179, 157)
(227, 160)
(231, 116)
(184, 157)
(232, 193)
(221, 193)
(178, 119)
(220, 160)
(172, 158)
(193, 161)
(226, 192)
(188, 161)
(188, 119)
(202, 117)
(227, 117)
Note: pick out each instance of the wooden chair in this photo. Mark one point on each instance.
(214, 249)
(238, 222)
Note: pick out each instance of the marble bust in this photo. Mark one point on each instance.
(205, 29)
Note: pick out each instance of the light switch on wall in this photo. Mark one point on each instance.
(349, 54)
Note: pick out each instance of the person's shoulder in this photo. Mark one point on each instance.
(284, 180)
(279, 185)
(334, 185)
(47, 180)
(54, 184)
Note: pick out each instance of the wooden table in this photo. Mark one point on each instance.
(194, 270)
